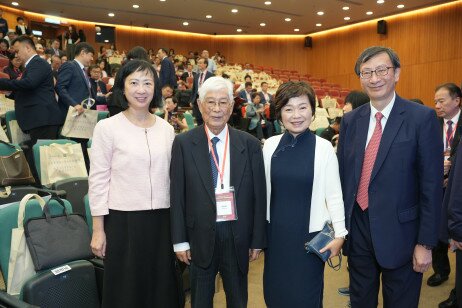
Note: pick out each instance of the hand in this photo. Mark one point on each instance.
(254, 254)
(447, 166)
(79, 109)
(422, 259)
(98, 244)
(456, 245)
(184, 256)
(334, 246)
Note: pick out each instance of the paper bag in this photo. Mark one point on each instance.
(79, 125)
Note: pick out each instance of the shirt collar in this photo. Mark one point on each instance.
(454, 120)
(27, 62)
(386, 111)
(80, 64)
(221, 135)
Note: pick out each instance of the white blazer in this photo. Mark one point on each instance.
(326, 198)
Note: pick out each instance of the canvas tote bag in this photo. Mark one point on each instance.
(79, 125)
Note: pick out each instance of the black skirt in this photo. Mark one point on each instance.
(139, 267)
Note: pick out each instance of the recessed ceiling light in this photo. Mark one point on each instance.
(262, 24)
(369, 13)
(135, 6)
(98, 33)
(239, 30)
(234, 11)
(346, 18)
(288, 19)
(208, 16)
(400, 6)
(345, 8)
(185, 23)
(15, 3)
(162, 0)
(318, 25)
(296, 29)
(320, 13)
(380, 1)
(106, 41)
(111, 14)
(267, 2)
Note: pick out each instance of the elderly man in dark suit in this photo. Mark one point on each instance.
(391, 168)
(218, 199)
(167, 74)
(199, 79)
(74, 86)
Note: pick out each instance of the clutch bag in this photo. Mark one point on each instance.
(324, 237)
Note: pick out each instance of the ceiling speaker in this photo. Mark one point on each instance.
(382, 27)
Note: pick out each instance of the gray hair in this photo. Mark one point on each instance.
(214, 84)
(371, 52)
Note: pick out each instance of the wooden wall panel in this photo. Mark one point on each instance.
(428, 41)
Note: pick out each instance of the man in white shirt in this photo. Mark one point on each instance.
(212, 66)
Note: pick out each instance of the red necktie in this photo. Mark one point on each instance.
(369, 159)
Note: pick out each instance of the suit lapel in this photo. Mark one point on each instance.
(362, 126)
(455, 141)
(391, 129)
(200, 154)
(237, 159)
(81, 74)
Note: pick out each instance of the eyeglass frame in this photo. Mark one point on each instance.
(221, 105)
(385, 70)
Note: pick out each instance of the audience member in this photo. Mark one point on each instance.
(71, 38)
(167, 71)
(4, 48)
(21, 27)
(105, 68)
(82, 36)
(54, 48)
(332, 130)
(354, 99)
(247, 69)
(98, 88)
(64, 59)
(393, 225)
(15, 67)
(129, 198)
(55, 65)
(189, 73)
(303, 193)
(211, 67)
(199, 80)
(217, 170)
(172, 116)
(246, 93)
(3, 25)
(259, 125)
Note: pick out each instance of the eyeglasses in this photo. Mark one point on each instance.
(222, 105)
(379, 71)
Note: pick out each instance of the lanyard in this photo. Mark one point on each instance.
(222, 172)
(448, 138)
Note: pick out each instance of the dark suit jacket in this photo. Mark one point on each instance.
(263, 99)
(405, 191)
(52, 52)
(193, 207)
(185, 75)
(452, 203)
(456, 139)
(19, 31)
(195, 89)
(71, 86)
(99, 100)
(243, 95)
(167, 73)
(35, 102)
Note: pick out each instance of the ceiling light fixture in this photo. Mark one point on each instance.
(262, 24)
(346, 18)
(15, 3)
(288, 19)
(320, 13)
(208, 16)
(106, 41)
(380, 1)
(135, 6)
(400, 6)
(162, 0)
(345, 8)
(318, 25)
(239, 30)
(297, 30)
(234, 11)
(185, 23)
(369, 13)
(267, 2)
(111, 14)
(98, 33)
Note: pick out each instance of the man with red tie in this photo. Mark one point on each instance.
(391, 167)
(188, 73)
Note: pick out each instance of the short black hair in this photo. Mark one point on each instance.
(19, 18)
(254, 94)
(139, 53)
(357, 98)
(247, 84)
(453, 89)
(167, 86)
(206, 61)
(164, 50)
(6, 42)
(292, 89)
(24, 39)
(119, 83)
(371, 52)
(85, 47)
(247, 76)
(264, 82)
(337, 120)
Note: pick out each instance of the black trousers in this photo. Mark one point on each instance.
(459, 277)
(224, 261)
(42, 132)
(440, 260)
(400, 286)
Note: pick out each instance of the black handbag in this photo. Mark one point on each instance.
(14, 169)
(324, 237)
(55, 240)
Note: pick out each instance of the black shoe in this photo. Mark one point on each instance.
(451, 302)
(436, 279)
(344, 291)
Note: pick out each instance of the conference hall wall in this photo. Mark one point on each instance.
(429, 42)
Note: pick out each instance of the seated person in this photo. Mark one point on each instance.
(354, 99)
(259, 125)
(332, 130)
(246, 93)
(172, 116)
(15, 67)
(247, 78)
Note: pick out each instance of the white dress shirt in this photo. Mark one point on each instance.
(454, 120)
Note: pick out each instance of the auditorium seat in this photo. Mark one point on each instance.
(294, 72)
(320, 93)
(344, 93)
(334, 93)
(305, 79)
(294, 78)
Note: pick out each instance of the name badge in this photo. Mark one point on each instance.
(226, 205)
